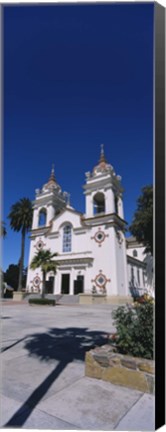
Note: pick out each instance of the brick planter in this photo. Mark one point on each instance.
(106, 364)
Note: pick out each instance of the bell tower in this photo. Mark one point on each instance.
(104, 217)
(48, 202)
(103, 190)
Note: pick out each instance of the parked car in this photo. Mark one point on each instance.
(7, 291)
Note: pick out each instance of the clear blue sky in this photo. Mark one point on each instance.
(76, 76)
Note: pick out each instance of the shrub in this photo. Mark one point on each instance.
(134, 326)
(40, 301)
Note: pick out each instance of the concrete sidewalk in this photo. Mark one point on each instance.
(42, 375)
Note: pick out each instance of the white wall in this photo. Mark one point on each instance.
(140, 252)
(122, 277)
(120, 208)
(110, 201)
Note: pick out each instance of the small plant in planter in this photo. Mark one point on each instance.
(134, 325)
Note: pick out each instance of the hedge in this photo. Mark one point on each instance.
(42, 302)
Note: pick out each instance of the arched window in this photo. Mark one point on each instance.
(42, 217)
(135, 253)
(98, 203)
(67, 238)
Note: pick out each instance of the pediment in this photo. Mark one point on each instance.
(67, 215)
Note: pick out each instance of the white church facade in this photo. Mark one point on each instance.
(93, 253)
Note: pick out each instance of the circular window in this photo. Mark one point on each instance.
(100, 280)
(39, 245)
(100, 236)
(36, 281)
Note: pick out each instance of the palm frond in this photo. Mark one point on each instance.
(44, 260)
(21, 214)
(3, 231)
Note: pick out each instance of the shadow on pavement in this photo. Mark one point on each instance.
(63, 345)
(13, 344)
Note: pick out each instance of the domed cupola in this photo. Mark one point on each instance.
(49, 201)
(52, 183)
(103, 165)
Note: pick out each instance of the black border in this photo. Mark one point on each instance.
(159, 135)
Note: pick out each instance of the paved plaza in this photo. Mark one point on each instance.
(43, 382)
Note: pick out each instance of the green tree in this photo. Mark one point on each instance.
(43, 259)
(142, 223)
(3, 231)
(11, 276)
(21, 220)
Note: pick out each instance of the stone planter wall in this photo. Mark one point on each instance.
(92, 299)
(18, 295)
(103, 299)
(106, 364)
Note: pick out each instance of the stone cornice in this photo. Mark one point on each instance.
(49, 201)
(71, 261)
(108, 217)
(101, 182)
(93, 186)
(132, 260)
(53, 235)
(39, 231)
(133, 244)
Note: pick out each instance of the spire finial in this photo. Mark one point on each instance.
(52, 176)
(102, 156)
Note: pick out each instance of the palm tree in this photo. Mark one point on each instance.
(3, 231)
(21, 220)
(44, 260)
